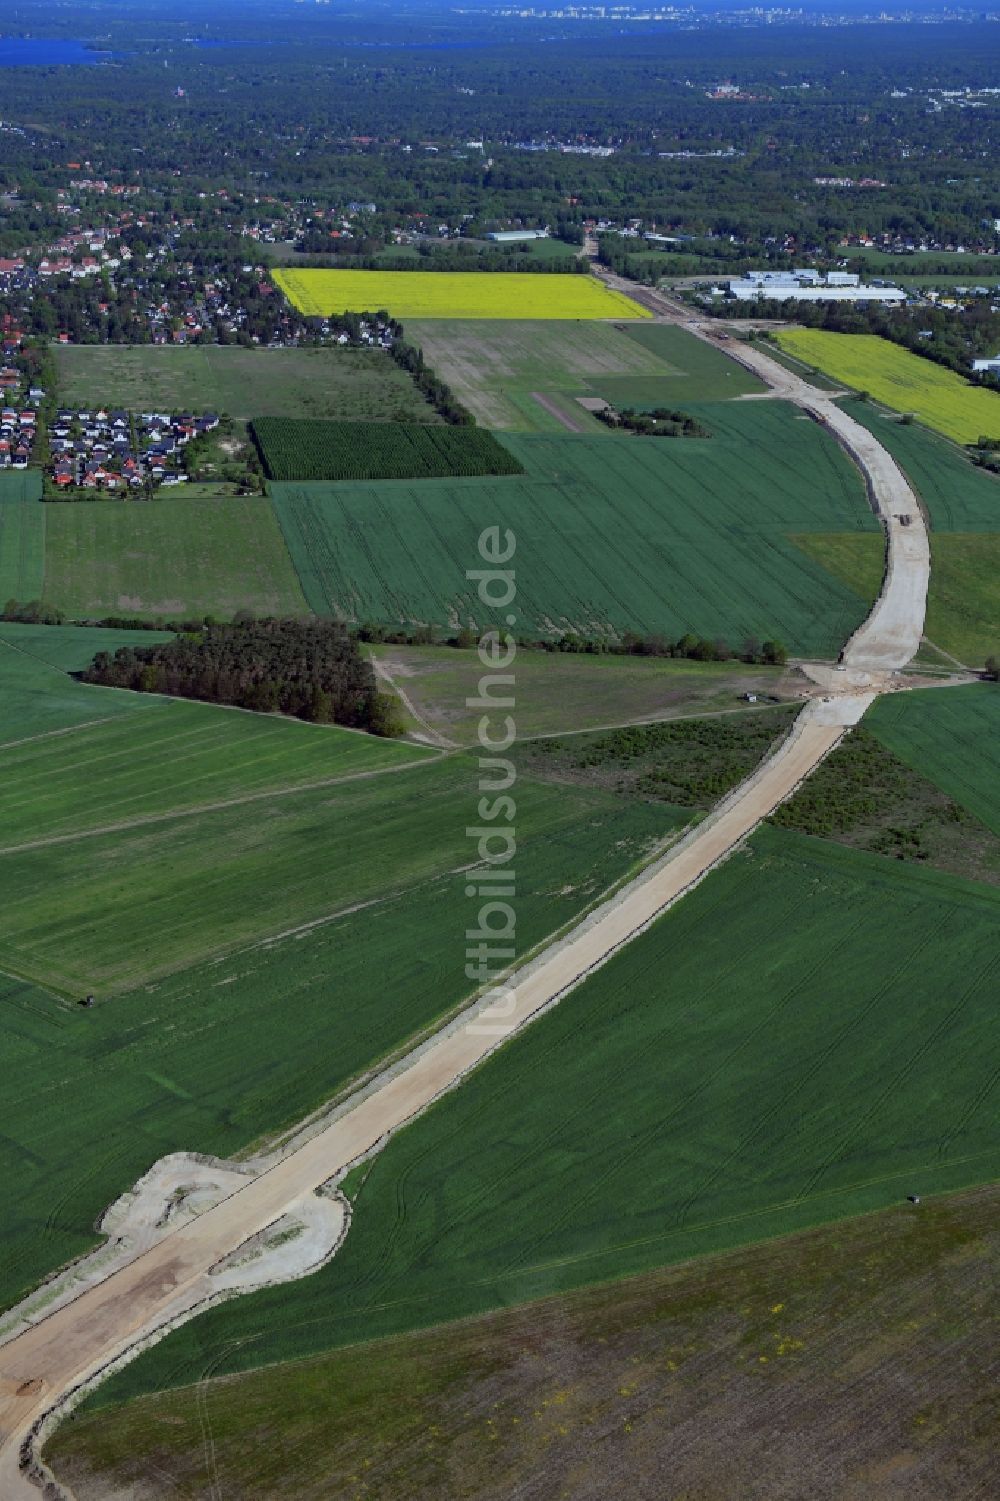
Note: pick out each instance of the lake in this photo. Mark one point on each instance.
(44, 52)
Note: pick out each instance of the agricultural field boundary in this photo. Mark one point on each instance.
(56, 1360)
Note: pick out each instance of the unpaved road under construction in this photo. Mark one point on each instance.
(42, 1366)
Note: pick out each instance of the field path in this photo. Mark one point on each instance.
(383, 670)
(549, 405)
(43, 1365)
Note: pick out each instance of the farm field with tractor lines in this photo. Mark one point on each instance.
(310, 450)
(22, 549)
(455, 294)
(963, 601)
(900, 380)
(107, 910)
(800, 1040)
(15, 485)
(219, 1054)
(39, 696)
(650, 535)
(959, 497)
(183, 755)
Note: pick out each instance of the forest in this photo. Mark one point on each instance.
(478, 120)
(313, 670)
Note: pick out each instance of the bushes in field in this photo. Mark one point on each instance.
(316, 450)
(311, 669)
(864, 795)
(690, 763)
(661, 422)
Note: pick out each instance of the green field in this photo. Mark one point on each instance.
(951, 736)
(344, 383)
(655, 536)
(903, 381)
(963, 602)
(708, 374)
(184, 756)
(801, 1040)
(376, 450)
(36, 693)
(565, 691)
(22, 550)
(513, 1399)
(173, 559)
(106, 907)
(958, 496)
(213, 1057)
(498, 369)
(20, 484)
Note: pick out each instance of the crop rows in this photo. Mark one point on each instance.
(614, 537)
(213, 1056)
(763, 1059)
(958, 496)
(305, 450)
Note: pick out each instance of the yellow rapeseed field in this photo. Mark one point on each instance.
(900, 380)
(454, 294)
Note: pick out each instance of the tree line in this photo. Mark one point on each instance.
(771, 652)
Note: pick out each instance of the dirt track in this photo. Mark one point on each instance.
(41, 1366)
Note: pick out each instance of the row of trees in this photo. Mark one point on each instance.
(438, 393)
(629, 644)
(310, 669)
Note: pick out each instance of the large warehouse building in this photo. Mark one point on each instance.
(810, 286)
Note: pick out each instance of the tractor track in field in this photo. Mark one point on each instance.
(45, 1367)
(171, 814)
